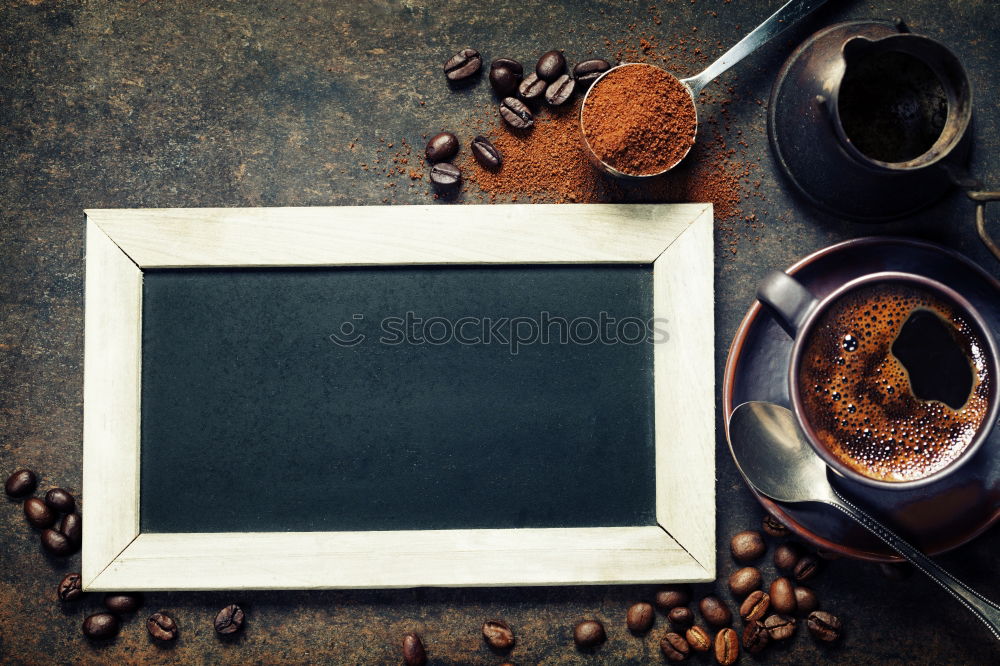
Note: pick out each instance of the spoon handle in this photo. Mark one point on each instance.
(981, 607)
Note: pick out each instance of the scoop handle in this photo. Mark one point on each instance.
(789, 13)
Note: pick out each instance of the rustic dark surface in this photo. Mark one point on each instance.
(131, 104)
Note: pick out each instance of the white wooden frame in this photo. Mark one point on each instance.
(676, 239)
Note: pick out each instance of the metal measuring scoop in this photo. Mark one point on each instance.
(777, 461)
(789, 13)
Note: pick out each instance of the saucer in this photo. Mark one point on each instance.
(936, 517)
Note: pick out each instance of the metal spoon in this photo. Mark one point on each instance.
(775, 459)
(791, 12)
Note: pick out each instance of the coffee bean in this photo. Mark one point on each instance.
(698, 639)
(60, 500)
(755, 606)
(462, 66)
(674, 647)
(589, 633)
(38, 513)
(551, 65)
(560, 90)
(123, 603)
(747, 545)
(786, 556)
(441, 147)
(805, 600)
(515, 113)
(671, 596)
(640, 617)
(498, 634)
(445, 174)
(70, 587)
(727, 647)
(161, 626)
(755, 637)
(57, 543)
(588, 71)
(780, 627)
(101, 626)
(743, 581)
(486, 153)
(505, 76)
(774, 527)
(229, 620)
(824, 626)
(897, 572)
(531, 87)
(782, 596)
(413, 650)
(715, 611)
(72, 527)
(681, 617)
(20, 483)
(807, 568)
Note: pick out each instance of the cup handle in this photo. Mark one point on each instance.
(787, 299)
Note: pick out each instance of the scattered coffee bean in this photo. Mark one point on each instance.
(747, 545)
(445, 174)
(744, 581)
(805, 600)
(72, 527)
(786, 556)
(441, 147)
(824, 626)
(101, 626)
(498, 634)
(38, 513)
(230, 620)
(698, 639)
(755, 637)
(674, 647)
(807, 568)
(715, 611)
(755, 606)
(515, 113)
(413, 650)
(161, 626)
(463, 65)
(560, 90)
(780, 627)
(589, 633)
(20, 483)
(531, 87)
(70, 587)
(897, 572)
(774, 527)
(671, 596)
(486, 153)
(122, 603)
(588, 71)
(56, 543)
(505, 76)
(727, 647)
(681, 617)
(783, 596)
(551, 65)
(60, 500)
(640, 617)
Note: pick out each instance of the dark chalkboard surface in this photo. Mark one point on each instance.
(254, 419)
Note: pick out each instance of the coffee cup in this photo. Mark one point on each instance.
(892, 376)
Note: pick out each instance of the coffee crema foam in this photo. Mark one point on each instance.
(857, 396)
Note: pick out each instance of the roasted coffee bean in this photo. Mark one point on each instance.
(727, 647)
(780, 627)
(698, 639)
(505, 76)
(38, 513)
(774, 527)
(498, 634)
(674, 647)
(588, 71)
(70, 588)
(413, 650)
(560, 90)
(755, 606)
(441, 147)
(72, 527)
(60, 500)
(551, 65)
(445, 174)
(531, 87)
(122, 603)
(786, 556)
(715, 611)
(56, 543)
(783, 596)
(747, 545)
(671, 596)
(639, 618)
(744, 581)
(824, 626)
(486, 153)
(463, 65)
(589, 633)
(101, 626)
(755, 637)
(807, 568)
(229, 620)
(681, 617)
(161, 626)
(805, 600)
(20, 483)
(897, 572)
(515, 113)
